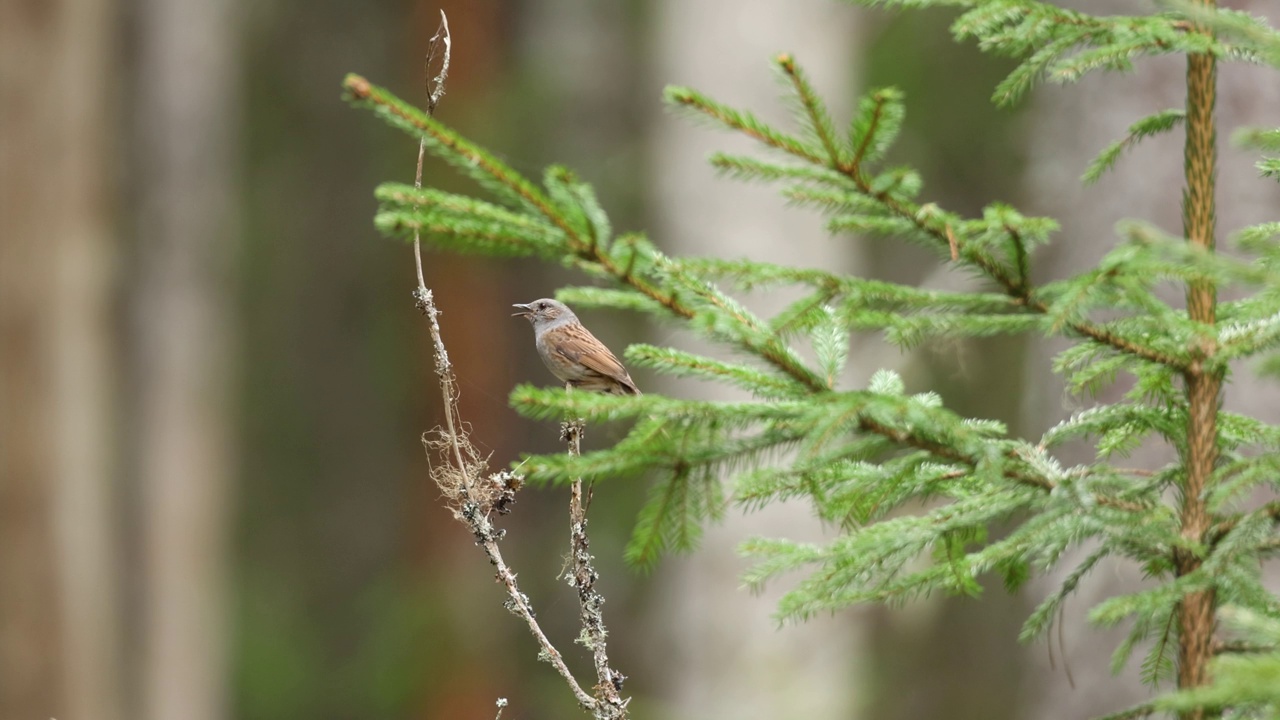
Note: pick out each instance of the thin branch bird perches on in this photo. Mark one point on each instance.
(474, 495)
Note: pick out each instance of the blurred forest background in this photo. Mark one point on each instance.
(213, 500)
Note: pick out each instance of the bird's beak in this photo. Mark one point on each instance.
(525, 310)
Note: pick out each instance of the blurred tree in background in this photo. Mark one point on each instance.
(60, 575)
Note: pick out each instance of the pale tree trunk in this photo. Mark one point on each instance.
(716, 648)
(187, 112)
(1071, 125)
(59, 644)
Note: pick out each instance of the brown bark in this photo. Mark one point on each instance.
(1196, 612)
(58, 644)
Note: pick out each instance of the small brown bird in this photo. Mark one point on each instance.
(572, 353)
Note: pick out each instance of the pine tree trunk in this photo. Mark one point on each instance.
(1203, 387)
(181, 346)
(59, 623)
(719, 654)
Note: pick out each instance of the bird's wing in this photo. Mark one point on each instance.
(593, 355)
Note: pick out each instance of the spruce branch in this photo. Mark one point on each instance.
(1144, 128)
(947, 452)
(867, 128)
(468, 157)
(1241, 647)
(1220, 530)
(579, 244)
(1012, 280)
(904, 422)
(1020, 253)
(1237, 34)
(815, 110)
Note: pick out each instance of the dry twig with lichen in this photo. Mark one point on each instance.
(475, 495)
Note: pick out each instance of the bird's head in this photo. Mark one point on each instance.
(544, 312)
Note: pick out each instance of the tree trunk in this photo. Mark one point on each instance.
(717, 650)
(59, 644)
(181, 346)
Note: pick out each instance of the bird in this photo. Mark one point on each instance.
(571, 352)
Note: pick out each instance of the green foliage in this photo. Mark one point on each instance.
(1265, 139)
(926, 500)
(1239, 35)
(1062, 45)
(1160, 122)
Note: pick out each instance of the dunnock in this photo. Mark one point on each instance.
(572, 353)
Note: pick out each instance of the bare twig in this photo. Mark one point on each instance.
(435, 91)
(472, 494)
(421, 292)
(435, 86)
(608, 690)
